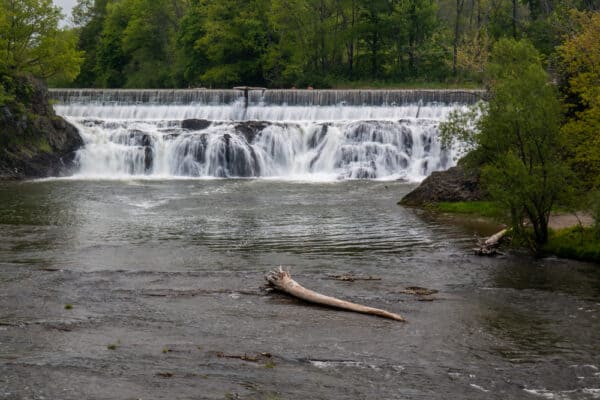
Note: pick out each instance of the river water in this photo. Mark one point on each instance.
(164, 279)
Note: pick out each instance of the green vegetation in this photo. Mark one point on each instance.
(32, 43)
(319, 43)
(112, 346)
(68, 306)
(516, 140)
(487, 209)
(576, 242)
(537, 143)
(580, 83)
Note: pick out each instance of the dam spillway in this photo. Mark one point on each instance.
(286, 134)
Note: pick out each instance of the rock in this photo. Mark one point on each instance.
(148, 159)
(34, 142)
(455, 184)
(195, 124)
(249, 129)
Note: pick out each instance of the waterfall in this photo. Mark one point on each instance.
(285, 134)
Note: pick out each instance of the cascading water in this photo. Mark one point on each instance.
(297, 134)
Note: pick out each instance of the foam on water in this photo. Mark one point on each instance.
(147, 139)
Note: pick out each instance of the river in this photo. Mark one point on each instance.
(165, 280)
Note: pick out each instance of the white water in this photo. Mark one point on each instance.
(309, 142)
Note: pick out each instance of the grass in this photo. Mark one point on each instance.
(68, 306)
(575, 243)
(112, 346)
(488, 209)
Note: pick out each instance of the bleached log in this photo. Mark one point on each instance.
(282, 281)
(490, 245)
(495, 239)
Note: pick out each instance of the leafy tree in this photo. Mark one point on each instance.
(517, 139)
(192, 59)
(111, 59)
(31, 42)
(230, 38)
(88, 17)
(137, 44)
(580, 56)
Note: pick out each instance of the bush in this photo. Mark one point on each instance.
(577, 243)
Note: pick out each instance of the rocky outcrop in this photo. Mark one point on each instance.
(249, 129)
(455, 184)
(34, 142)
(195, 124)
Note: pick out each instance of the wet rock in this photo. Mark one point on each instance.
(407, 141)
(35, 143)
(317, 137)
(249, 129)
(455, 184)
(239, 159)
(195, 124)
(148, 159)
(138, 138)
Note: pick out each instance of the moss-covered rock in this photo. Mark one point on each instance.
(455, 184)
(34, 141)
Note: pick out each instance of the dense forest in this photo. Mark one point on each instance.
(319, 43)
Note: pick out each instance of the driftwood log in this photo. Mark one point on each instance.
(282, 281)
(489, 247)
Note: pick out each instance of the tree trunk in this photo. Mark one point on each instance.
(459, 5)
(514, 18)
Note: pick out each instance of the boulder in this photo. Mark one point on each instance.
(34, 142)
(454, 184)
(195, 124)
(249, 129)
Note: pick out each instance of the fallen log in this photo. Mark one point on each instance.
(489, 247)
(282, 281)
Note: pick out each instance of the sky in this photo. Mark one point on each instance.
(66, 5)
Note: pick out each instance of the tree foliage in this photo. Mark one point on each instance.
(516, 137)
(580, 56)
(320, 43)
(31, 42)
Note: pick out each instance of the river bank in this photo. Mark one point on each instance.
(457, 192)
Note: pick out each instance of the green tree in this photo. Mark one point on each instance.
(234, 41)
(580, 56)
(517, 139)
(111, 59)
(137, 46)
(31, 42)
(88, 17)
(192, 59)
